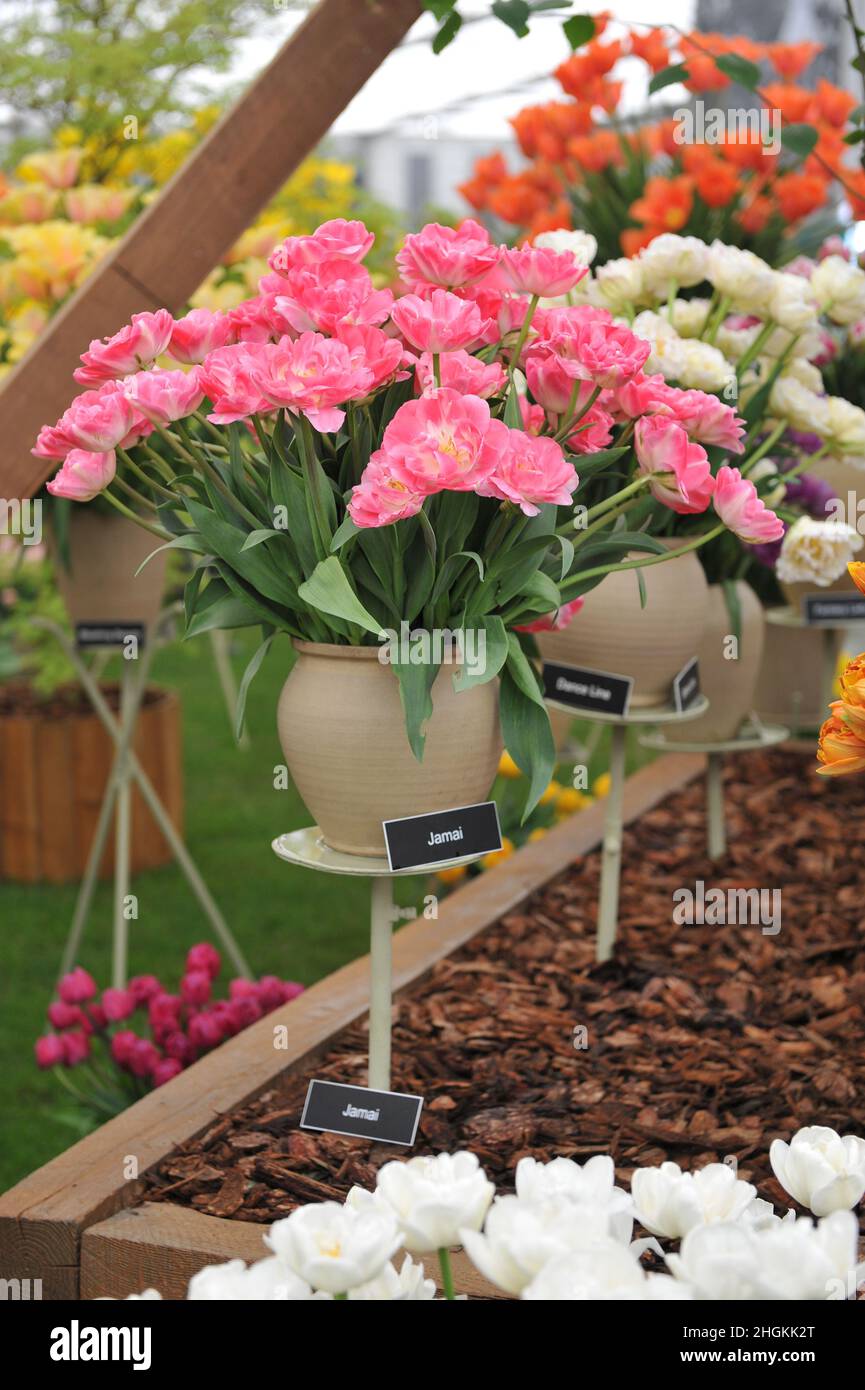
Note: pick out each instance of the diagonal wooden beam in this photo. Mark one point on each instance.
(174, 245)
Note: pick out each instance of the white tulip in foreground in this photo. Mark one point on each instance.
(820, 1169)
(606, 1271)
(520, 1237)
(266, 1281)
(786, 1261)
(433, 1199)
(405, 1285)
(335, 1248)
(670, 1203)
(591, 1183)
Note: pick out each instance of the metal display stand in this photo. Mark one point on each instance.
(789, 617)
(117, 801)
(307, 849)
(611, 853)
(751, 737)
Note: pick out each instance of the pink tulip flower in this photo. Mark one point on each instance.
(135, 347)
(739, 507)
(83, 475)
(442, 322)
(165, 396)
(680, 474)
(198, 333)
(446, 257)
(537, 270)
(531, 471)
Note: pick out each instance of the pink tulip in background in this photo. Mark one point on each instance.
(136, 346)
(461, 372)
(446, 257)
(679, 470)
(536, 270)
(440, 323)
(739, 507)
(83, 475)
(351, 240)
(197, 334)
(325, 294)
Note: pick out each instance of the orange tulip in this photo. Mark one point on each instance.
(515, 200)
(841, 749)
(754, 215)
(633, 239)
(651, 47)
(793, 102)
(856, 570)
(833, 104)
(717, 183)
(666, 202)
(791, 59)
(852, 682)
(799, 194)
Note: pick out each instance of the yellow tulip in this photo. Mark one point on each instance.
(601, 785)
(489, 861)
(550, 793)
(454, 874)
(507, 766)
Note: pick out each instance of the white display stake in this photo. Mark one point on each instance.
(611, 850)
(307, 849)
(116, 802)
(751, 738)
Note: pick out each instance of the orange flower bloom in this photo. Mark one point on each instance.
(515, 200)
(856, 570)
(651, 47)
(841, 748)
(596, 152)
(852, 681)
(833, 104)
(799, 194)
(755, 214)
(666, 203)
(633, 239)
(854, 187)
(660, 138)
(791, 59)
(717, 183)
(559, 215)
(475, 192)
(793, 102)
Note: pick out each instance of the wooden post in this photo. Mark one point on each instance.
(173, 246)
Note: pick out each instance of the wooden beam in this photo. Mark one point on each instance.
(160, 1246)
(43, 1218)
(231, 176)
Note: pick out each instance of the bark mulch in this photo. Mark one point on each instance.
(700, 1041)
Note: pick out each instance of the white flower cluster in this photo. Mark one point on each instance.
(816, 552)
(566, 1232)
(757, 320)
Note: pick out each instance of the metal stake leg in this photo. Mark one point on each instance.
(611, 854)
(716, 829)
(830, 664)
(381, 983)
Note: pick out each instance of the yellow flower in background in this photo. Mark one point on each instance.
(454, 874)
(52, 258)
(489, 861)
(28, 203)
(56, 168)
(98, 202)
(507, 766)
(569, 800)
(537, 834)
(259, 240)
(601, 785)
(219, 293)
(550, 792)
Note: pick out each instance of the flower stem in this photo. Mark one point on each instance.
(139, 521)
(447, 1273)
(653, 559)
(524, 331)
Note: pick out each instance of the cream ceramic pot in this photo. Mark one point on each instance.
(728, 680)
(100, 585)
(613, 633)
(342, 731)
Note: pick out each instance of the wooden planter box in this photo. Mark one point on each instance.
(78, 1223)
(54, 768)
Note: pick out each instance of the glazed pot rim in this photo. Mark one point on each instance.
(337, 649)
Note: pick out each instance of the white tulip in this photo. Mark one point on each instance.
(790, 1260)
(520, 1237)
(669, 1202)
(743, 278)
(433, 1199)
(816, 552)
(593, 1184)
(839, 289)
(606, 1272)
(618, 283)
(651, 325)
(790, 400)
(582, 245)
(735, 342)
(820, 1169)
(673, 261)
(792, 303)
(335, 1248)
(704, 367)
(406, 1285)
(843, 426)
(806, 373)
(689, 316)
(263, 1282)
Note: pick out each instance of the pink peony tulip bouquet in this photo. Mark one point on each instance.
(345, 459)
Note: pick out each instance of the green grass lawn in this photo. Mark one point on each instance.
(291, 922)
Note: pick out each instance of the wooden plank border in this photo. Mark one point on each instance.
(230, 177)
(43, 1218)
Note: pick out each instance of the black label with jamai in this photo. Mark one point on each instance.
(391, 1117)
(833, 610)
(415, 841)
(578, 687)
(109, 634)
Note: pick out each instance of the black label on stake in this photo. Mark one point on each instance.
(109, 634)
(686, 686)
(833, 610)
(415, 841)
(580, 687)
(388, 1116)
